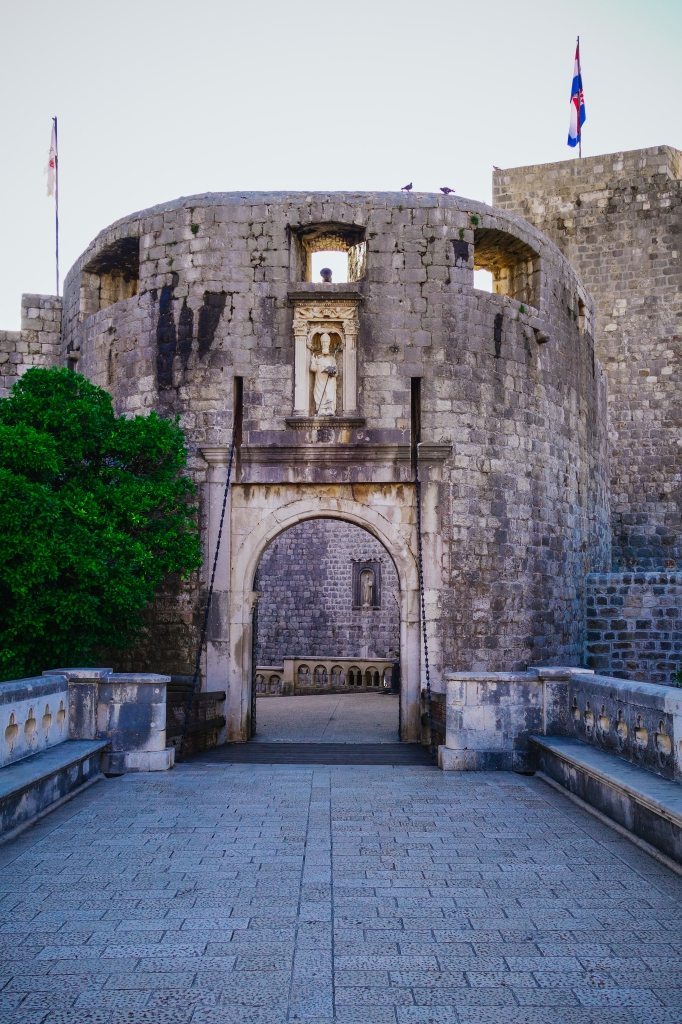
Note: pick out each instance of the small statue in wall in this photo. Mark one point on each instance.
(367, 588)
(326, 275)
(323, 368)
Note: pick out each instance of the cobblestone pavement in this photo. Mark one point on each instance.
(328, 718)
(362, 895)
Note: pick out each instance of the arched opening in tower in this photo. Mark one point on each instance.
(327, 637)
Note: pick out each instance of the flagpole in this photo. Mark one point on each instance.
(580, 134)
(56, 203)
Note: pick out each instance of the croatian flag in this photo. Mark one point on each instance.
(577, 102)
(52, 161)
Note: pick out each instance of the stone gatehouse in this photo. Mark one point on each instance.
(340, 395)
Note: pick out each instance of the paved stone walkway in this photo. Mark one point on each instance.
(328, 718)
(261, 895)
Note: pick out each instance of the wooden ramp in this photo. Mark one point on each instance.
(410, 754)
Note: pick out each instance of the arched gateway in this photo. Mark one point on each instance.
(254, 525)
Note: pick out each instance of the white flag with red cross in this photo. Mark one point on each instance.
(52, 162)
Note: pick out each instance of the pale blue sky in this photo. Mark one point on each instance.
(161, 99)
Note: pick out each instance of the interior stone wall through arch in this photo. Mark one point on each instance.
(305, 582)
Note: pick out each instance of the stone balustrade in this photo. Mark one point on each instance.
(323, 675)
(34, 715)
(128, 710)
(490, 716)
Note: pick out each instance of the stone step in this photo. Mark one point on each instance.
(409, 754)
(645, 804)
(38, 783)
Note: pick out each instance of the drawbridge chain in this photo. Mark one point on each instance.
(204, 626)
(422, 602)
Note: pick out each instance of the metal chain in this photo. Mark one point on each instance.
(204, 627)
(420, 567)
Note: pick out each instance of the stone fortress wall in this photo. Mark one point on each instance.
(37, 343)
(634, 625)
(185, 306)
(194, 308)
(618, 218)
(309, 604)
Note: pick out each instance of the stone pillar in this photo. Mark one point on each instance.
(127, 709)
(488, 719)
(216, 656)
(350, 391)
(131, 714)
(83, 683)
(301, 382)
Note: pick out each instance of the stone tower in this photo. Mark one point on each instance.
(618, 218)
(339, 394)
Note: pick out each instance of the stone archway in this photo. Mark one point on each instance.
(255, 524)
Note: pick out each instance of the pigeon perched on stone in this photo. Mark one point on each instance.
(446, 191)
(407, 188)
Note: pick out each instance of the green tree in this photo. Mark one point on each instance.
(94, 513)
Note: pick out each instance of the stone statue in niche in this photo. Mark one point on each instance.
(312, 319)
(367, 588)
(324, 370)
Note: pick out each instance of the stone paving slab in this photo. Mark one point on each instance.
(334, 895)
(328, 718)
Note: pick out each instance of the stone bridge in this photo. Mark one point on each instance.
(363, 895)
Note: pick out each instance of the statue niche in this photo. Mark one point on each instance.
(366, 585)
(325, 343)
(324, 372)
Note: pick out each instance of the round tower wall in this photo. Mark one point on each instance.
(168, 306)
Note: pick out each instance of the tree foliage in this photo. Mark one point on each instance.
(94, 513)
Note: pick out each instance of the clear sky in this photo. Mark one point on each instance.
(162, 98)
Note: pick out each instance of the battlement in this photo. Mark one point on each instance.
(591, 173)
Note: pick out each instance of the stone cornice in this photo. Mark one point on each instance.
(304, 291)
(328, 422)
(428, 451)
(324, 454)
(216, 455)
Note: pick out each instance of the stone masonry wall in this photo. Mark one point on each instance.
(306, 603)
(634, 625)
(197, 295)
(618, 218)
(38, 343)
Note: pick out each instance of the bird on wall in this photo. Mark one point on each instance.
(407, 188)
(445, 190)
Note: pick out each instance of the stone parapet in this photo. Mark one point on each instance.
(127, 709)
(38, 343)
(301, 676)
(490, 717)
(33, 716)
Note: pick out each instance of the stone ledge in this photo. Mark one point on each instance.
(643, 803)
(329, 422)
(327, 455)
(481, 760)
(34, 785)
(305, 291)
(15, 690)
(122, 761)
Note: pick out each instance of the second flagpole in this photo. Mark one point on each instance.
(56, 202)
(580, 73)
